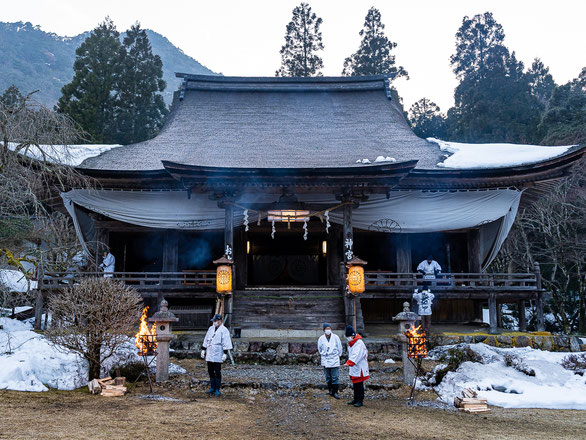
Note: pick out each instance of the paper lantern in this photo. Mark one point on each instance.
(356, 279)
(224, 279)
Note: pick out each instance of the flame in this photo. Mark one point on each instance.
(417, 342)
(145, 335)
(415, 332)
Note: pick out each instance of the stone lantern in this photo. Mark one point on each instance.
(406, 321)
(163, 319)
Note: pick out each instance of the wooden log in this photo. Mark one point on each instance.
(94, 387)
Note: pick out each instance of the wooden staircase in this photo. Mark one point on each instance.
(288, 308)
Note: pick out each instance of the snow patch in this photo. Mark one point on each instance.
(28, 362)
(552, 386)
(15, 281)
(467, 156)
(385, 159)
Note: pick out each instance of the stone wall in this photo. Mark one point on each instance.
(304, 352)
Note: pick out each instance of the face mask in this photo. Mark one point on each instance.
(217, 323)
(328, 332)
(349, 338)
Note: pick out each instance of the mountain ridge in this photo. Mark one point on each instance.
(33, 59)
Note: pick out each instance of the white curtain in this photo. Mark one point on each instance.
(399, 212)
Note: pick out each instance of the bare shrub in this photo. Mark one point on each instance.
(517, 363)
(575, 363)
(93, 318)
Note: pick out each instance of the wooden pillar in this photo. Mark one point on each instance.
(334, 256)
(240, 259)
(39, 300)
(171, 251)
(348, 234)
(348, 300)
(474, 256)
(522, 316)
(170, 260)
(492, 306)
(403, 253)
(539, 299)
(229, 252)
(499, 315)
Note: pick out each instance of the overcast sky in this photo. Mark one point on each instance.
(238, 37)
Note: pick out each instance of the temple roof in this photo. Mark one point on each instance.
(235, 122)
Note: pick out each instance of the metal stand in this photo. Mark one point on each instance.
(418, 369)
(146, 372)
(148, 348)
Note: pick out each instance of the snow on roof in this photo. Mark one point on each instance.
(72, 155)
(466, 156)
(15, 281)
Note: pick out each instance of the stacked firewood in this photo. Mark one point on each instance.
(470, 403)
(108, 387)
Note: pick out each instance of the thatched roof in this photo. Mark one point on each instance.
(277, 123)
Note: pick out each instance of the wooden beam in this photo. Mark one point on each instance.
(492, 306)
(539, 299)
(522, 316)
(474, 255)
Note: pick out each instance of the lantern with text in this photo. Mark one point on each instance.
(224, 276)
(356, 282)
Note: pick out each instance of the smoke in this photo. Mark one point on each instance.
(197, 252)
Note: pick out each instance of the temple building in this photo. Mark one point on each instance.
(289, 179)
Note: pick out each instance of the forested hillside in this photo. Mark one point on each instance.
(33, 59)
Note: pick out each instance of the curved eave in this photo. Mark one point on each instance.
(384, 175)
(516, 176)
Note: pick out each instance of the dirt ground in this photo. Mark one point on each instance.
(256, 414)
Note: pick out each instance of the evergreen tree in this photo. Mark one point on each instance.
(12, 98)
(493, 102)
(90, 98)
(564, 122)
(541, 81)
(302, 40)
(479, 46)
(427, 120)
(141, 110)
(373, 57)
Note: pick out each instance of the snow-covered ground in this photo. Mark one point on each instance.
(552, 386)
(28, 362)
(15, 281)
(470, 156)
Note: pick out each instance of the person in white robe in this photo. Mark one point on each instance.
(429, 268)
(216, 344)
(108, 264)
(329, 347)
(424, 301)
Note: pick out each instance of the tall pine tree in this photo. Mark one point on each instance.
(493, 101)
(141, 110)
(373, 57)
(541, 81)
(479, 46)
(90, 98)
(427, 120)
(302, 40)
